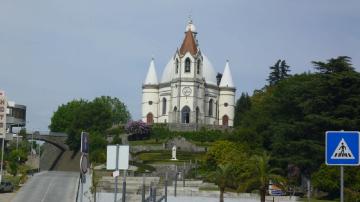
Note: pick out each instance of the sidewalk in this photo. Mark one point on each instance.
(7, 197)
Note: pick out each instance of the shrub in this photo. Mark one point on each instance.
(138, 130)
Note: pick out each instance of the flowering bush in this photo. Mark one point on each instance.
(137, 129)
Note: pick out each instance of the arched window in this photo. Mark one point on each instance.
(225, 120)
(198, 67)
(187, 65)
(149, 118)
(177, 66)
(164, 106)
(211, 103)
(185, 115)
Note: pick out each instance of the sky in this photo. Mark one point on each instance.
(54, 51)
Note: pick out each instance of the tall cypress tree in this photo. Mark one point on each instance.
(243, 104)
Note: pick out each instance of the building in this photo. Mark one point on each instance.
(190, 91)
(16, 115)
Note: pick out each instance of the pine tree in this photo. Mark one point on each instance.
(278, 72)
(334, 65)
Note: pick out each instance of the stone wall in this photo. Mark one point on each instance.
(183, 145)
(49, 156)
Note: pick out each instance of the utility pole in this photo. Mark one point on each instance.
(39, 157)
(2, 159)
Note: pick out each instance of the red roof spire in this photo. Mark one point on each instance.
(189, 44)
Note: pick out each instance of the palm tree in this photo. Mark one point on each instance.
(223, 177)
(258, 175)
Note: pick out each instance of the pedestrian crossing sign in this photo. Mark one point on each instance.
(342, 148)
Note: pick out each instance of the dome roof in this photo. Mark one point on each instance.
(168, 72)
(190, 27)
(209, 73)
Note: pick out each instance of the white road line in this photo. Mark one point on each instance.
(42, 200)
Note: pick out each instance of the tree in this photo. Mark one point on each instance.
(119, 112)
(91, 116)
(243, 104)
(259, 174)
(326, 179)
(280, 70)
(223, 177)
(334, 65)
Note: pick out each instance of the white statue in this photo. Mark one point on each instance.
(173, 153)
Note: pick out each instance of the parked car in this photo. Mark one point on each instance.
(6, 186)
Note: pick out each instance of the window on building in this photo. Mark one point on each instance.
(226, 104)
(150, 102)
(198, 67)
(164, 106)
(177, 66)
(211, 103)
(187, 65)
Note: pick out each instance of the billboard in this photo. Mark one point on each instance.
(3, 110)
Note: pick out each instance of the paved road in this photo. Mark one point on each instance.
(49, 186)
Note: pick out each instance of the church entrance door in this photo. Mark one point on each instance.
(225, 120)
(185, 115)
(149, 118)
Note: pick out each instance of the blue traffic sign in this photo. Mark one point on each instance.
(84, 142)
(342, 148)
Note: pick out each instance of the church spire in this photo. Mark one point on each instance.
(151, 77)
(226, 80)
(189, 44)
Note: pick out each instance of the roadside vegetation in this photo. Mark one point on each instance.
(15, 167)
(278, 134)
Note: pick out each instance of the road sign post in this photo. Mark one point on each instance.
(342, 148)
(84, 160)
(117, 158)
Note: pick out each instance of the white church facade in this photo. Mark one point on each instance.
(189, 91)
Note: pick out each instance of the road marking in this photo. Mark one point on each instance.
(42, 200)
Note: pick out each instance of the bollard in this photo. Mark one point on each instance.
(154, 194)
(143, 189)
(175, 184)
(166, 182)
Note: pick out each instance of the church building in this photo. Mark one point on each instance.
(189, 91)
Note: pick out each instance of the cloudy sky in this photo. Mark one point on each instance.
(53, 51)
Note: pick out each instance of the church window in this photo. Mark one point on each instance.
(164, 106)
(150, 102)
(211, 103)
(177, 66)
(198, 67)
(226, 104)
(187, 65)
